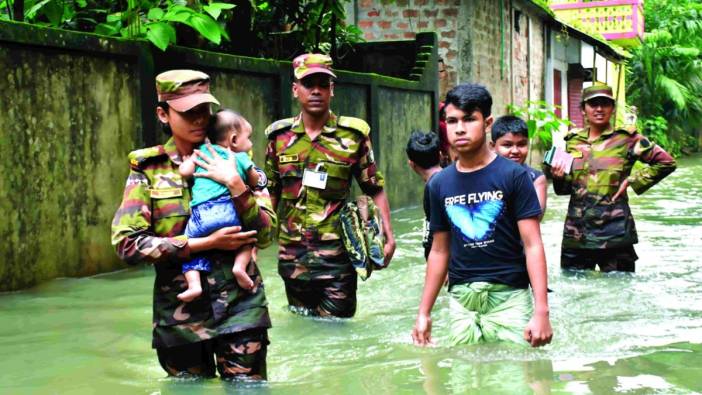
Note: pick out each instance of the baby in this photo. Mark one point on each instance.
(212, 207)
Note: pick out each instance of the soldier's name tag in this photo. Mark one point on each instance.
(165, 193)
(314, 179)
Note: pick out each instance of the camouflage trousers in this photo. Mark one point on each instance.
(240, 355)
(622, 259)
(323, 297)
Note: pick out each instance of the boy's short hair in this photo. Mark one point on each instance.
(218, 128)
(423, 149)
(470, 97)
(508, 124)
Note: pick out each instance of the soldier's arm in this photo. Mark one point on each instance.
(372, 182)
(132, 235)
(256, 212)
(658, 162)
(271, 170)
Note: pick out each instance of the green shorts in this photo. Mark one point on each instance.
(485, 312)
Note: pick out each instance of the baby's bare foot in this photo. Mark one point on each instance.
(190, 294)
(243, 279)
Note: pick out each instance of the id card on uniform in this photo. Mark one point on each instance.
(314, 179)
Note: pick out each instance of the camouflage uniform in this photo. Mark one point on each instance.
(148, 227)
(596, 229)
(312, 258)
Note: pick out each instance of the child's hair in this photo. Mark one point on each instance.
(218, 128)
(423, 149)
(508, 124)
(470, 97)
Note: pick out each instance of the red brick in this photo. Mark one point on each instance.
(430, 13)
(402, 25)
(373, 13)
(444, 44)
(369, 36)
(421, 2)
(410, 13)
(384, 24)
(440, 23)
(449, 34)
(451, 55)
(450, 12)
(422, 25)
(365, 24)
(366, 3)
(408, 35)
(391, 36)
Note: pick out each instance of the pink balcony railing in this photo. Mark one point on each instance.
(620, 21)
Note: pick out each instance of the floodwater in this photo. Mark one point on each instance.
(614, 333)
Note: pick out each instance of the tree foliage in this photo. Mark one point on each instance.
(665, 74)
(273, 28)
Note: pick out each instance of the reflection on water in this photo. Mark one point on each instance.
(614, 333)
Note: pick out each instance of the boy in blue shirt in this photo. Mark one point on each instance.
(484, 217)
(510, 138)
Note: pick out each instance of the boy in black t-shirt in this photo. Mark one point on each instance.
(484, 215)
(423, 157)
(510, 138)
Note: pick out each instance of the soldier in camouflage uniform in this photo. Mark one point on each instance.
(148, 227)
(599, 228)
(310, 160)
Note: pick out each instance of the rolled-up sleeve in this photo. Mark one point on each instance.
(659, 164)
(366, 171)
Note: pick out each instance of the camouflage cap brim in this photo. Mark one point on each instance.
(186, 103)
(313, 70)
(595, 95)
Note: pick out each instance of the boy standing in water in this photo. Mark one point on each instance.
(484, 215)
(423, 158)
(510, 138)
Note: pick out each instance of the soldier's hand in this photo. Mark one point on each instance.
(220, 170)
(621, 191)
(558, 169)
(421, 334)
(231, 238)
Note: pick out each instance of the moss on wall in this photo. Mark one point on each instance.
(68, 123)
(401, 112)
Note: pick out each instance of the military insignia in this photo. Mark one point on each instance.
(165, 193)
(288, 158)
(576, 154)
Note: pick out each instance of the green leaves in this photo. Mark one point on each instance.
(541, 121)
(215, 9)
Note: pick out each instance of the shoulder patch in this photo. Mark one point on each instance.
(629, 129)
(356, 124)
(571, 133)
(278, 126)
(139, 157)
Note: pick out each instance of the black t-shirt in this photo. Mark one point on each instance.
(533, 173)
(481, 210)
(427, 235)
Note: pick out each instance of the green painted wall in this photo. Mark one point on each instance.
(68, 123)
(73, 105)
(401, 112)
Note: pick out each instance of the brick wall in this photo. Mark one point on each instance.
(470, 42)
(575, 88)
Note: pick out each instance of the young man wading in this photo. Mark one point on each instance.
(310, 160)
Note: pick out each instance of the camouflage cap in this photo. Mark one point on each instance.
(597, 90)
(311, 63)
(184, 89)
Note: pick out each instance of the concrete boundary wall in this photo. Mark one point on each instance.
(72, 106)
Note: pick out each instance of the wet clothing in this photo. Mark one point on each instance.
(233, 356)
(593, 220)
(309, 237)
(481, 209)
(533, 173)
(205, 189)
(621, 259)
(206, 218)
(484, 313)
(427, 234)
(332, 297)
(148, 227)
